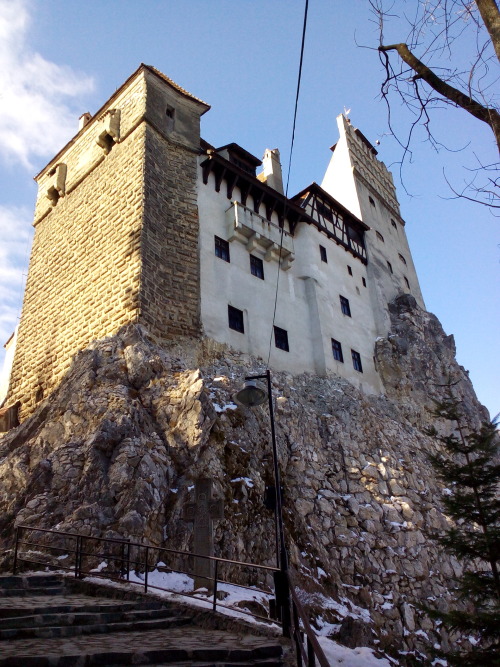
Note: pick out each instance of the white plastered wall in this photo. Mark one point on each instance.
(308, 299)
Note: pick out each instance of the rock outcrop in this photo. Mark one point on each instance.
(116, 448)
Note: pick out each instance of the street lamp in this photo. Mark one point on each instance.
(251, 395)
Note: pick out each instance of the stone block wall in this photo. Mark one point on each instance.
(117, 240)
(84, 274)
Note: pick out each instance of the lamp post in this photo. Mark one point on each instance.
(252, 395)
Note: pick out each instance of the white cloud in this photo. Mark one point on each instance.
(15, 233)
(35, 94)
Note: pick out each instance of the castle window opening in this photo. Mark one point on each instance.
(407, 282)
(322, 252)
(281, 339)
(402, 259)
(349, 270)
(344, 306)
(257, 267)
(380, 237)
(389, 266)
(393, 223)
(235, 319)
(364, 281)
(222, 249)
(337, 350)
(356, 361)
(170, 114)
(372, 201)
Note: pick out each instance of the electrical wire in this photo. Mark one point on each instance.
(304, 26)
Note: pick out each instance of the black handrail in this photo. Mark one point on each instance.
(289, 608)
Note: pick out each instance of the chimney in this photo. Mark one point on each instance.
(271, 170)
(83, 120)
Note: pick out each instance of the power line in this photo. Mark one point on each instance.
(288, 174)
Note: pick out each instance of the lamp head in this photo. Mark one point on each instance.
(252, 394)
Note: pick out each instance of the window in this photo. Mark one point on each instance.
(257, 267)
(170, 114)
(356, 361)
(380, 237)
(407, 282)
(402, 259)
(344, 306)
(364, 281)
(281, 339)
(372, 201)
(337, 351)
(393, 223)
(389, 266)
(235, 319)
(221, 249)
(349, 270)
(322, 252)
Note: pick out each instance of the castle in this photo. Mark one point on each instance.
(140, 220)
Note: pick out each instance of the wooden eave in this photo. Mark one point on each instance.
(236, 148)
(249, 185)
(317, 190)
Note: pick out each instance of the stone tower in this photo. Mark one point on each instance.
(110, 247)
(362, 183)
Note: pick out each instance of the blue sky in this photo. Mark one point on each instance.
(59, 58)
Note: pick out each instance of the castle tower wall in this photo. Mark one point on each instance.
(362, 183)
(99, 256)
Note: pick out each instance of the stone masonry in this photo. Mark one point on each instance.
(101, 233)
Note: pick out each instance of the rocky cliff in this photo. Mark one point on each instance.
(116, 448)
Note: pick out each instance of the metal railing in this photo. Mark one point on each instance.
(124, 557)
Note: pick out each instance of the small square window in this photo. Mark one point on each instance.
(402, 259)
(322, 252)
(257, 267)
(389, 266)
(337, 350)
(372, 201)
(356, 361)
(349, 270)
(281, 339)
(407, 282)
(235, 319)
(222, 249)
(393, 223)
(344, 306)
(364, 281)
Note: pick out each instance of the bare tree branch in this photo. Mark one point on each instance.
(488, 115)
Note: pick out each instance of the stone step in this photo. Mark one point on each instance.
(48, 618)
(171, 646)
(75, 629)
(30, 581)
(26, 592)
(68, 605)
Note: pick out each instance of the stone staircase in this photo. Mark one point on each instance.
(50, 620)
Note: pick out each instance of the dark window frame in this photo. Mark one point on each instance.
(344, 306)
(222, 249)
(323, 255)
(356, 361)
(281, 339)
(337, 350)
(256, 267)
(235, 319)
